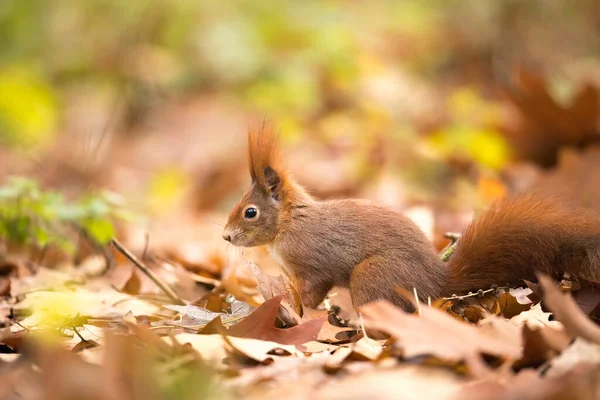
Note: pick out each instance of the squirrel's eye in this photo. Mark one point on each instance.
(250, 213)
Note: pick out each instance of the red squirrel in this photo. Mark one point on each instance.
(373, 249)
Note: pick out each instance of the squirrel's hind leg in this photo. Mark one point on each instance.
(372, 280)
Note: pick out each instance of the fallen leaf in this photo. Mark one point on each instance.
(260, 324)
(84, 344)
(473, 314)
(565, 310)
(101, 301)
(536, 350)
(193, 314)
(580, 351)
(335, 334)
(546, 126)
(271, 286)
(195, 317)
(125, 278)
(318, 347)
(45, 279)
(367, 349)
(580, 383)
(406, 382)
(501, 329)
(334, 363)
(574, 178)
(89, 333)
(521, 295)
(214, 347)
(435, 333)
(535, 317)
(587, 297)
(510, 306)
(240, 282)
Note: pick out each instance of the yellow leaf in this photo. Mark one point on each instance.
(28, 113)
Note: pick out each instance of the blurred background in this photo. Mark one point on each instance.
(435, 108)
(128, 119)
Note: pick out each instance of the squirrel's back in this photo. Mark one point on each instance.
(522, 234)
(332, 237)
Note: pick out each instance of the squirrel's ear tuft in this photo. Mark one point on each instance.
(273, 182)
(266, 166)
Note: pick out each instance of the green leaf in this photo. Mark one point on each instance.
(100, 230)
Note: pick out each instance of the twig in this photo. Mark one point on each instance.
(417, 302)
(449, 250)
(453, 236)
(79, 334)
(165, 288)
(479, 293)
(21, 325)
(361, 321)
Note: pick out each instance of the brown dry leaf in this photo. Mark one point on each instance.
(216, 347)
(546, 126)
(4, 286)
(92, 336)
(334, 363)
(501, 329)
(335, 334)
(490, 304)
(271, 286)
(238, 281)
(318, 347)
(435, 333)
(45, 279)
(367, 349)
(565, 310)
(196, 259)
(125, 278)
(85, 345)
(260, 324)
(406, 382)
(510, 306)
(580, 383)
(552, 332)
(536, 349)
(587, 298)
(284, 378)
(574, 178)
(473, 314)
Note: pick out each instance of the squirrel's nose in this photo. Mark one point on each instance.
(226, 236)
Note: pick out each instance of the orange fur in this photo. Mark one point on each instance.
(264, 151)
(520, 235)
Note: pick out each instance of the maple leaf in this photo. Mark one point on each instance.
(260, 324)
(546, 125)
(438, 334)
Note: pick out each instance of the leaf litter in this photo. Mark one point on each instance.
(502, 344)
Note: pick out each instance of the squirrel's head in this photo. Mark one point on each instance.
(255, 219)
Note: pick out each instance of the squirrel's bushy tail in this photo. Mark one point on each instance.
(522, 234)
